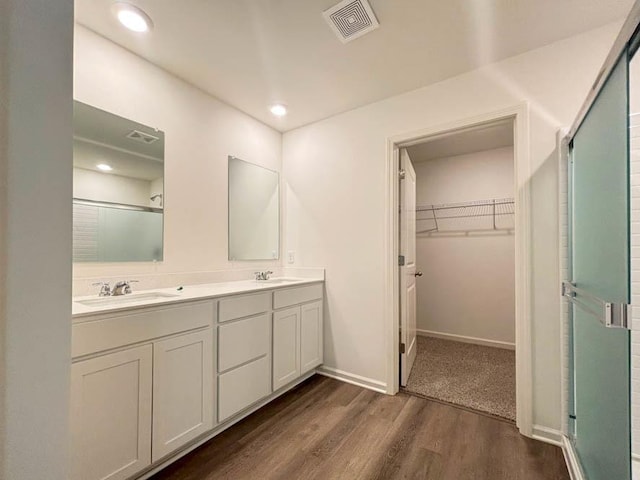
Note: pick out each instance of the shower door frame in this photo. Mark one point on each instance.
(629, 31)
(519, 113)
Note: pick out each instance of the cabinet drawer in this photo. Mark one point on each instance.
(243, 306)
(294, 296)
(242, 387)
(128, 328)
(243, 340)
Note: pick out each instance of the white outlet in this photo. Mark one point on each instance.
(292, 256)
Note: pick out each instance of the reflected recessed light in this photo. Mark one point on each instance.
(132, 17)
(278, 110)
(104, 167)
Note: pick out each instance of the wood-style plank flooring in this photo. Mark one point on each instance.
(325, 429)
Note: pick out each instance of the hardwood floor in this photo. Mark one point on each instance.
(325, 429)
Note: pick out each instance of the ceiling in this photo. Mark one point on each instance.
(477, 139)
(252, 53)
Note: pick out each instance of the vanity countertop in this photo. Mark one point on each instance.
(164, 296)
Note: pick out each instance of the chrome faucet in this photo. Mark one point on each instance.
(105, 289)
(262, 275)
(122, 288)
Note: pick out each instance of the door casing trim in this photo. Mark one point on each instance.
(519, 113)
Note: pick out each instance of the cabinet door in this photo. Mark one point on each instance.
(182, 390)
(311, 331)
(286, 346)
(111, 415)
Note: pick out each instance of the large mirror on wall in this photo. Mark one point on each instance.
(118, 188)
(254, 212)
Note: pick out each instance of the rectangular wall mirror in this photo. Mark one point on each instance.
(118, 188)
(254, 212)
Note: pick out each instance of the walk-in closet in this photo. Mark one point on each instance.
(465, 269)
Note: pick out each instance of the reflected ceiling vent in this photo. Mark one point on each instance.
(142, 137)
(351, 19)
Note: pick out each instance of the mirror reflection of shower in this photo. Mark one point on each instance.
(159, 196)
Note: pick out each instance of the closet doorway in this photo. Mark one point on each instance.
(457, 273)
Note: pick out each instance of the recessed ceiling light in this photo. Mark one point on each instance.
(278, 110)
(132, 17)
(104, 167)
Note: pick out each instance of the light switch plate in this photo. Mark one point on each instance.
(291, 256)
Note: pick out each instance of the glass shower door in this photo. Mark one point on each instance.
(600, 287)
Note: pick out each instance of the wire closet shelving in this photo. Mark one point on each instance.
(493, 214)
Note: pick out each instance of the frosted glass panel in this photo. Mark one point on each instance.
(254, 212)
(600, 212)
(104, 234)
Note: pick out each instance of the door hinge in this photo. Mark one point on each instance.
(401, 260)
(402, 174)
(402, 348)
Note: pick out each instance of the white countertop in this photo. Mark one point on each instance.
(186, 293)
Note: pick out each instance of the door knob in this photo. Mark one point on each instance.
(418, 274)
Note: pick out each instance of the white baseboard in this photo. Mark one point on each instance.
(571, 459)
(547, 435)
(353, 379)
(635, 466)
(465, 339)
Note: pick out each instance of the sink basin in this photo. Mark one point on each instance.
(125, 299)
(278, 281)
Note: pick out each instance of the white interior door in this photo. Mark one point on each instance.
(408, 344)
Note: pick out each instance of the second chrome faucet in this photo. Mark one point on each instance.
(120, 288)
(261, 276)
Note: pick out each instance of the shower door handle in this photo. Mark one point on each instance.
(610, 314)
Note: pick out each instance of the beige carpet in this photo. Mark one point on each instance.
(472, 376)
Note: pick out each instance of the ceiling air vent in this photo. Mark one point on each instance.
(351, 19)
(142, 137)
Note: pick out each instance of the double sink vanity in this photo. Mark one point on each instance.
(155, 373)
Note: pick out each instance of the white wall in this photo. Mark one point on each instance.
(200, 132)
(468, 283)
(335, 174)
(36, 49)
